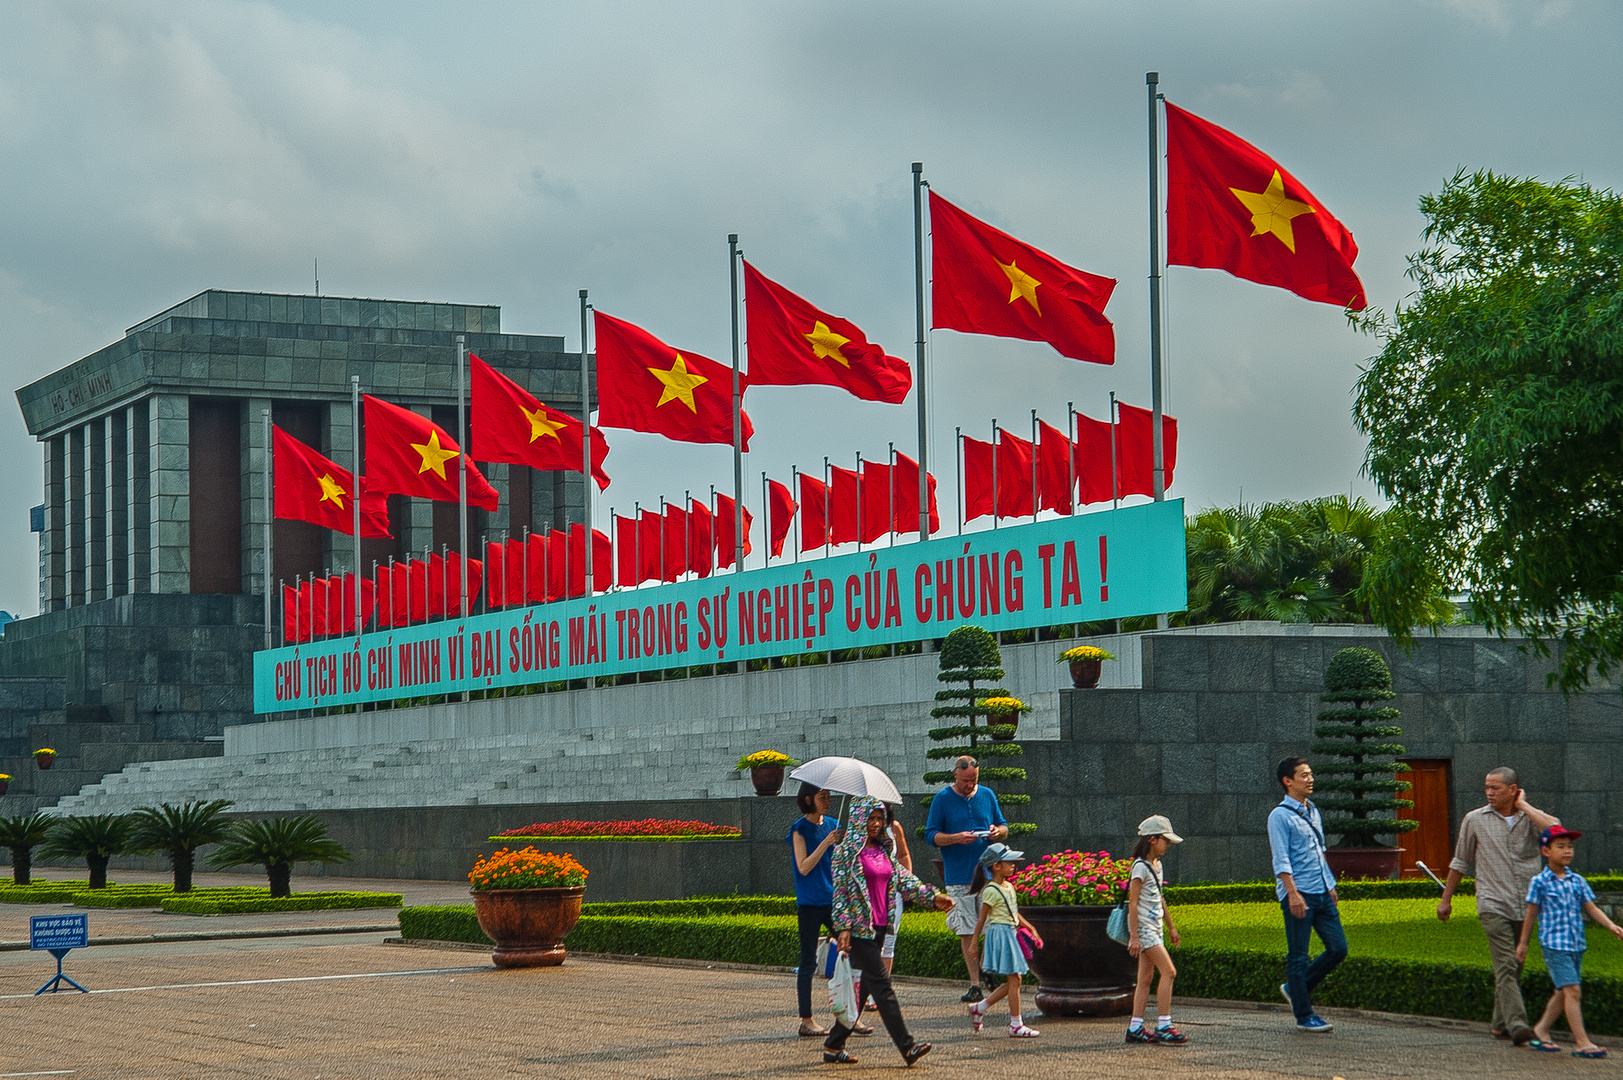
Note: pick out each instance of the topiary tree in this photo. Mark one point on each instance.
(180, 831)
(1362, 782)
(970, 657)
(276, 844)
(22, 833)
(94, 838)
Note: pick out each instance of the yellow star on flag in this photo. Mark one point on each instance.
(331, 490)
(1271, 211)
(826, 343)
(434, 455)
(1021, 285)
(540, 425)
(679, 384)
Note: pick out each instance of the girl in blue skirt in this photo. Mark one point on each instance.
(1001, 954)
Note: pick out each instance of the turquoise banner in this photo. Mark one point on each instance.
(1105, 565)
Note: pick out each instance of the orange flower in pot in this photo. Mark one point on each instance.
(527, 902)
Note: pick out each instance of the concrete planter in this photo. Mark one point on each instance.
(1080, 971)
(768, 779)
(528, 925)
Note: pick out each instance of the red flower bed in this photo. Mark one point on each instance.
(645, 827)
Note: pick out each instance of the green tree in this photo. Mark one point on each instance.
(276, 844)
(1363, 781)
(22, 833)
(970, 656)
(94, 838)
(179, 831)
(1494, 413)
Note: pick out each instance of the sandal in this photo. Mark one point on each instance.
(1545, 1047)
(838, 1057)
(862, 1029)
(914, 1052)
(976, 1016)
(1023, 1032)
(812, 1032)
(1592, 1052)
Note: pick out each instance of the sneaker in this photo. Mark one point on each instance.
(1170, 1035)
(1023, 1032)
(971, 995)
(976, 1017)
(1142, 1035)
(1316, 1024)
(914, 1052)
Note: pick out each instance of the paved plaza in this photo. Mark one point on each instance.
(349, 1005)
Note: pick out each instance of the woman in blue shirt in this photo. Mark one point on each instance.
(811, 837)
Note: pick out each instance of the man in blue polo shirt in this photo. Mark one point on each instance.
(963, 819)
(1307, 892)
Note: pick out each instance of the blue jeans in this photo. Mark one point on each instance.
(1302, 977)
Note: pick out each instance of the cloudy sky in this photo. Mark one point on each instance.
(516, 153)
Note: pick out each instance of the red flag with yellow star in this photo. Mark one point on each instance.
(793, 343)
(411, 455)
(309, 487)
(645, 385)
(1231, 207)
(507, 423)
(987, 282)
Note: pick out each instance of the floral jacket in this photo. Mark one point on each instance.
(851, 909)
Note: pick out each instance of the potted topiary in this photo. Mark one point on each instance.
(44, 757)
(1086, 662)
(1003, 716)
(1361, 783)
(527, 902)
(766, 770)
(1068, 897)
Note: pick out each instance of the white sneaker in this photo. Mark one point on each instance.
(1023, 1032)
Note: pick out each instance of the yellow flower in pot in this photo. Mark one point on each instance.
(766, 770)
(44, 757)
(1086, 662)
(1003, 716)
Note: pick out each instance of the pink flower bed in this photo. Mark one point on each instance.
(645, 827)
(1074, 877)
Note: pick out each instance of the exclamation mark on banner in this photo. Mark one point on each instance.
(1104, 561)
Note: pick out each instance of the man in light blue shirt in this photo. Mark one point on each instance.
(1307, 892)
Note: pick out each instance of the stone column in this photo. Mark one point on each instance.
(169, 524)
(118, 503)
(96, 510)
(138, 492)
(52, 540)
(253, 497)
(75, 516)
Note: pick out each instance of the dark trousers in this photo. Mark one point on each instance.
(1302, 977)
(814, 918)
(876, 981)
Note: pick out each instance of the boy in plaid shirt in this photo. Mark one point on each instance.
(1558, 899)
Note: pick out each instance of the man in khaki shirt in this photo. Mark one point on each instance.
(1499, 842)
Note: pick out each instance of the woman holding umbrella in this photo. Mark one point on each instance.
(867, 880)
(811, 837)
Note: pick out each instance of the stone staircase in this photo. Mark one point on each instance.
(87, 747)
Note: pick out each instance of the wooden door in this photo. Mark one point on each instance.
(1432, 842)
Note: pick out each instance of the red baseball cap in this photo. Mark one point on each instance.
(1554, 832)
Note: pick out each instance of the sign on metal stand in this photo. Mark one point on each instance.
(58, 935)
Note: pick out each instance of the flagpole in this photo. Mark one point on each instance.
(766, 511)
(958, 460)
(891, 476)
(859, 500)
(265, 419)
(280, 585)
(995, 506)
(585, 443)
(738, 414)
(1033, 466)
(462, 467)
(662, 544)
(355, 499)
(1152, 80)
(1070, 452)
(918, 297)
(828, 527)
(794, 481)
(687, 530)
(636, 549)
(1115, 469)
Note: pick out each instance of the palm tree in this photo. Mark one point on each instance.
(22, 833)
(95, 839)
(278, 843)
(180, 831)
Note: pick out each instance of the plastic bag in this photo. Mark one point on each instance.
(842, 992)
(1116, 928)
(827, 950)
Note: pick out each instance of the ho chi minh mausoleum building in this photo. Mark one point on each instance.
(152, 583)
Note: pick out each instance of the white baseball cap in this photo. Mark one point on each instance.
(1158, 825)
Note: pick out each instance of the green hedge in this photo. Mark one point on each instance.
(40, 894)
(205, 904)
(699, 905)
(151, 896)
(442, 923)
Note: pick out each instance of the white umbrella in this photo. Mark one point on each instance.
(848, 776)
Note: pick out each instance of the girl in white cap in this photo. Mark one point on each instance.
(1147, 912)
(1002, 954)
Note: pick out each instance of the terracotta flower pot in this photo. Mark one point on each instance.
(44, 761)
(1012, 719)
(528, 925)
(1085, 676)
(1376, 864)
(4, 784)
(768, 779)
(1080, 971)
